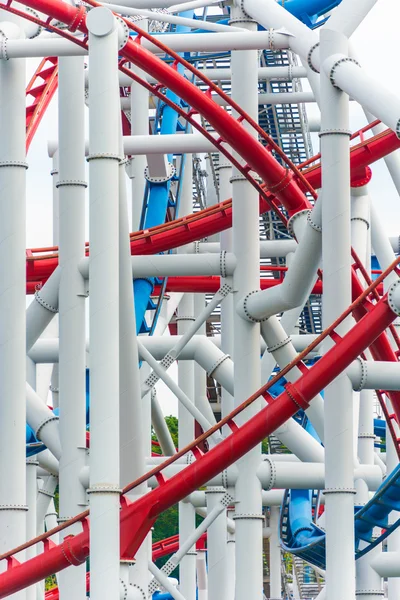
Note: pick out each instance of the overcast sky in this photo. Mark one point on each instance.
(377, 43)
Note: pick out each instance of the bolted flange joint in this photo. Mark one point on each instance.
(244, 311)
(394, 297)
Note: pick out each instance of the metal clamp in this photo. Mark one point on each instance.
(103, 156)
(339, 490)
(397, 130)
(45, 493)
(282, 184)
(360, 219)
(74, 182)
(14, 507)
(3, 47)
(272, 471)
(296, 396)
(43, 423)
(170, 173)
(364, 372)
(37, 16)
(104, 488)
(248, 517)
(45, 304)
(77, 20)
(217, 364)
(249, 316)
(123, 32)
(323, 132)
(280, 344)
(395, 308)
(309, 57)
(14, 163)
(222, 264)
(295, 217)
(313, 224)
(336, 64)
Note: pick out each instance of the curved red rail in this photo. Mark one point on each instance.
(41, 89)
(138, 517)
(162, 548)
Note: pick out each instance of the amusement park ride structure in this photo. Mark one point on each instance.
(261, 268)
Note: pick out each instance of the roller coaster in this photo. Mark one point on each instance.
(204, 251)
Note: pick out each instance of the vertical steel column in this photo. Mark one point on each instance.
(275, 577)
(104, 137)
(227, 308)
(187, 569)
(246, 335)
(12, 300)
(132, 425)
(54, 381)
(31, 500)
(339, 493)
(139, 126)
(72, 378)
(219, 569)
(368, 582)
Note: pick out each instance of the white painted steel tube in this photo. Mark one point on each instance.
(219, 569)
(387, 564)
(374, 375)
(42, 308)
(168, 18)
(31, 501)
(139, 113)
(224, 74)
(186, 325)
(12, 301)
(349, 15)
(72, 351)
(160, 427)
(284, 352)
(300, 275)
(271, 14)
(174, 387)
(348, 76)
(248, 507)
(227, 308)
(43, 421)
(165, 582)
(166, 265)
(45, 495)
(104, 304)
(179, 42)
(134, 428)
(381, 246)
(336, 258)
(275, 574)
(272, 98)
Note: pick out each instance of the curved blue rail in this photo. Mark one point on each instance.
(300, 536)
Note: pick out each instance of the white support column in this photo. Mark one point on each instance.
(72, 379)
(275, 577)
(219, 569)
(187, 570)
(139, 126)
(133, 429)
(368, 582)
(246, 335)
(104, 305)
(12, 301)
(227, 308)
(339, 493)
